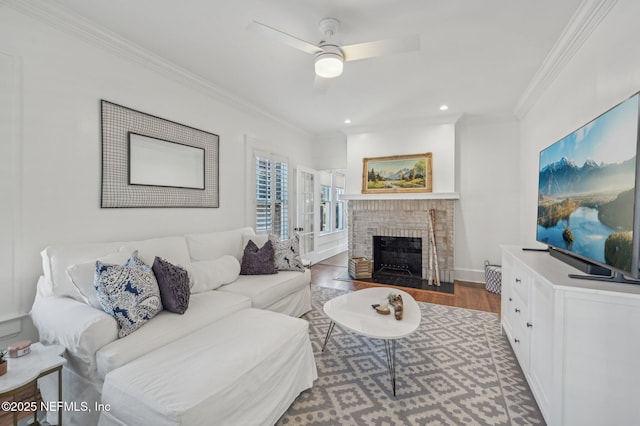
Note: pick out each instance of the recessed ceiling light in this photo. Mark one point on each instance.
(347, 121)
(443, 107)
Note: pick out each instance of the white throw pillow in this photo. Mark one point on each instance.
(213, 245)
(56, 259)
(83, 276)
(211, 274)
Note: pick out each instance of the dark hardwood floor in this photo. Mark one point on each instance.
(466, 295)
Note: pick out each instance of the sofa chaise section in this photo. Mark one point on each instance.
(204, 309)
(245, 369)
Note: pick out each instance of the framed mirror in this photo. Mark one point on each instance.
(157, 162)
(148, 161)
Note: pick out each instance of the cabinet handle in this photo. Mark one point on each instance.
(529, 325)
(516, 340)
(510, 299)
(518, 280)
(517, 311)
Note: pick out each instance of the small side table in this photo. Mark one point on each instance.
(25, 371)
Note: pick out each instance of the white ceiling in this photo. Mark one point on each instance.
(478, 57)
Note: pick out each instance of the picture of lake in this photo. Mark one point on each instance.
(589, 233)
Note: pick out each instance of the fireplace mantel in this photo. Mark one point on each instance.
(404, 196)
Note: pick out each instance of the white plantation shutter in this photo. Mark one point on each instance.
(263, 194)
(272, 196)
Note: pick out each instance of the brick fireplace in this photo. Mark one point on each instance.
(403, 218)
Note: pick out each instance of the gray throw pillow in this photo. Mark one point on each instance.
(173, 282)
(258, 261)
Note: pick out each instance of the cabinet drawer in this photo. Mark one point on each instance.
(506, 310)
(521, 283)
(519, 311)
(519, 340)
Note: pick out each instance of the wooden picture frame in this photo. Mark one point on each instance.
(397, 174)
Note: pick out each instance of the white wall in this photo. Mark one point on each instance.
(330, 152)
(477, 158)
(605, 71)
(487, 214)
(413, 138)
(63, 79)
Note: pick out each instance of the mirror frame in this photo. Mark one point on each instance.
(118, 123)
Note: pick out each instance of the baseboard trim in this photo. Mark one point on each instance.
(469, 275)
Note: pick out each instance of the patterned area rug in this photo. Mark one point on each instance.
(456, 369)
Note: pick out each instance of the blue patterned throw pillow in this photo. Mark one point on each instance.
(128, 292)
(287, 254)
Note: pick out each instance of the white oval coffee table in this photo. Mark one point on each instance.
(354, 312)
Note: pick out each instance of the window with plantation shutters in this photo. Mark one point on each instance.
(272, 196)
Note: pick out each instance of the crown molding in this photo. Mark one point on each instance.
(415, 122)
(583, 22)
(71, 23)
(489, 118)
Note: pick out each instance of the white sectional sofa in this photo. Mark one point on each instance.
(207, 360)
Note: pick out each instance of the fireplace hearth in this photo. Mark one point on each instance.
(397, 255)
(398, 261)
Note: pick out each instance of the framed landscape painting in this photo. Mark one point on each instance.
(398, 173)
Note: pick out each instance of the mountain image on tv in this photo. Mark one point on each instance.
(586, 188)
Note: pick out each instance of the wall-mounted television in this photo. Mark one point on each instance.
(588, 195)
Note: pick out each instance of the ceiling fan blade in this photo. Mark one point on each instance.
(292, 41)
(372, 49)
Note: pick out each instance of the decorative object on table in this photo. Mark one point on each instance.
(149, 161)
(382, 308)
(3, 364)
(360, 267)
(398, 173)
(493, 277)
(19, 349)
(434, 270)
(395, 300)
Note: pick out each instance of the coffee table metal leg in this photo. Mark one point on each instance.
(60, 395)
(329, 331)
(390, 348)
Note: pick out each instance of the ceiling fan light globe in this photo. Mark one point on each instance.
(329, 65)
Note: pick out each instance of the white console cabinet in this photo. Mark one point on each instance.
(577, 341)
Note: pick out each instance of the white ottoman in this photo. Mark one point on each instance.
(245, 369)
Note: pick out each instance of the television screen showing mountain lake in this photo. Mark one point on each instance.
(589, 234)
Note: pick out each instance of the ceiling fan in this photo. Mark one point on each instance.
(329, 56)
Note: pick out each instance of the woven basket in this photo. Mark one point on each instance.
(493, 277)
(360, 267)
